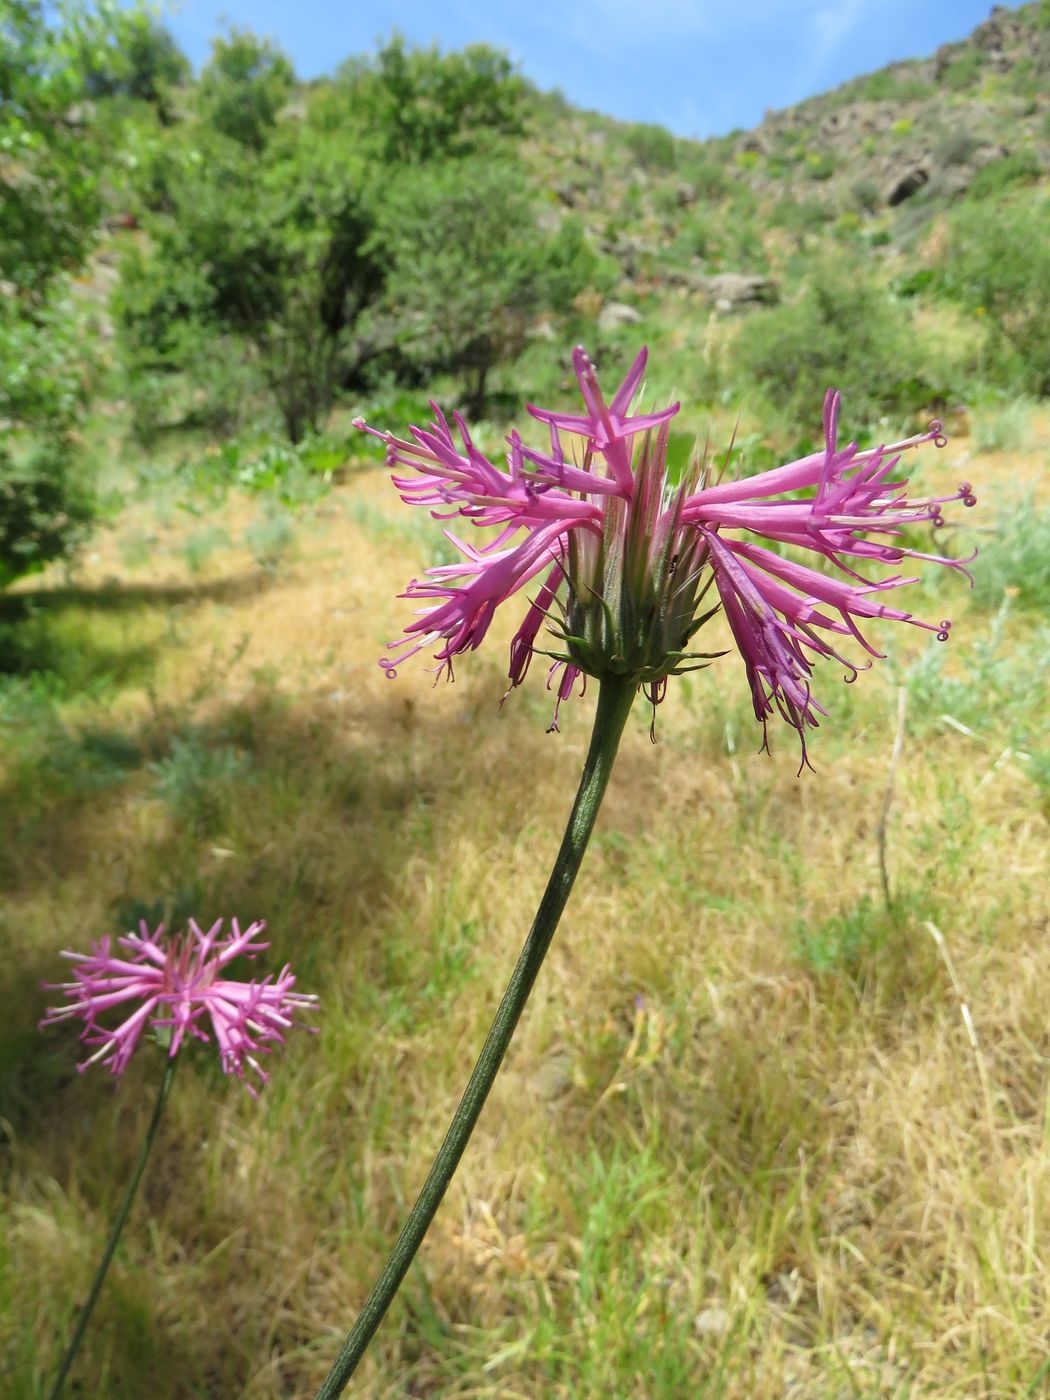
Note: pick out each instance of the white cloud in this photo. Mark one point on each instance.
(607, 28)
(828, 27)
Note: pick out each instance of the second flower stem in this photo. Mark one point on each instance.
(115, 1230)
(615, 698)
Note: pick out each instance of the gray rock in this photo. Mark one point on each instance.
(618, 313)
(739, 291)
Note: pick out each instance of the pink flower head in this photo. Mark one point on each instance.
(624, 560)
(176, 983)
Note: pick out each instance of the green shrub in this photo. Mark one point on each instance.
(1019, 168)
(999, 267)
(821, 165)
(198, 779)
(708, 177)
(1002, 427)
(652, 147)
(243, 86)
(45, 504)
(990, 692)
(887, 86)
(963, 72)
(866, 195)
(956, 147)
(43, 508)
(844, 331)
(50, 144)
(1014, 561)
(846, 943)
(799, 216)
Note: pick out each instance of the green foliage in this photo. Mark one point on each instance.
(866, 195)
(652, 147)
(270, 537)
(468, 268)
(992, 693)
(956, 147)
(845, 942)
(1015, 561)
(197, 777)
(844, 330)
(410, 106)
(999, 267)
(264, 239)
(243, 86)
(799, 217)
(41, 368)
(43, 509)
(708, 177)
(821, 165)
(261, 252)
(890, 86)
(49, 147)
(290, 474)
(1003, 426)
(140, 59)
(963, 72)
(1019, 168)
(199, 547)
(43, 505)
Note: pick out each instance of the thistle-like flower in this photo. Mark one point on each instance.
(630, 566)
(173, 983)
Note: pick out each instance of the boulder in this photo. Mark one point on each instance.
(617, 313)
(741, 291)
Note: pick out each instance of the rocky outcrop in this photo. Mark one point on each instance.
(906, 183)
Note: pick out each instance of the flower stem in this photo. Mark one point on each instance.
(115, 1232)
(615, 698)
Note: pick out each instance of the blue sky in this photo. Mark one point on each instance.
(700, 67)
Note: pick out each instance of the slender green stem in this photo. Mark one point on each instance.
(614, 703)
(114, 1234)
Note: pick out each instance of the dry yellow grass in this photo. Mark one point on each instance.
(714, 1165)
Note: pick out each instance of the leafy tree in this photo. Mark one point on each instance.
(136, 57)
(52, 154)
(266, 251)
(243, 86)
(49, 149)
(469, 269)
(263, 234)
(412, 106)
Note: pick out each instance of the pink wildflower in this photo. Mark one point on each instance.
(174, 983)
(625, 560)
